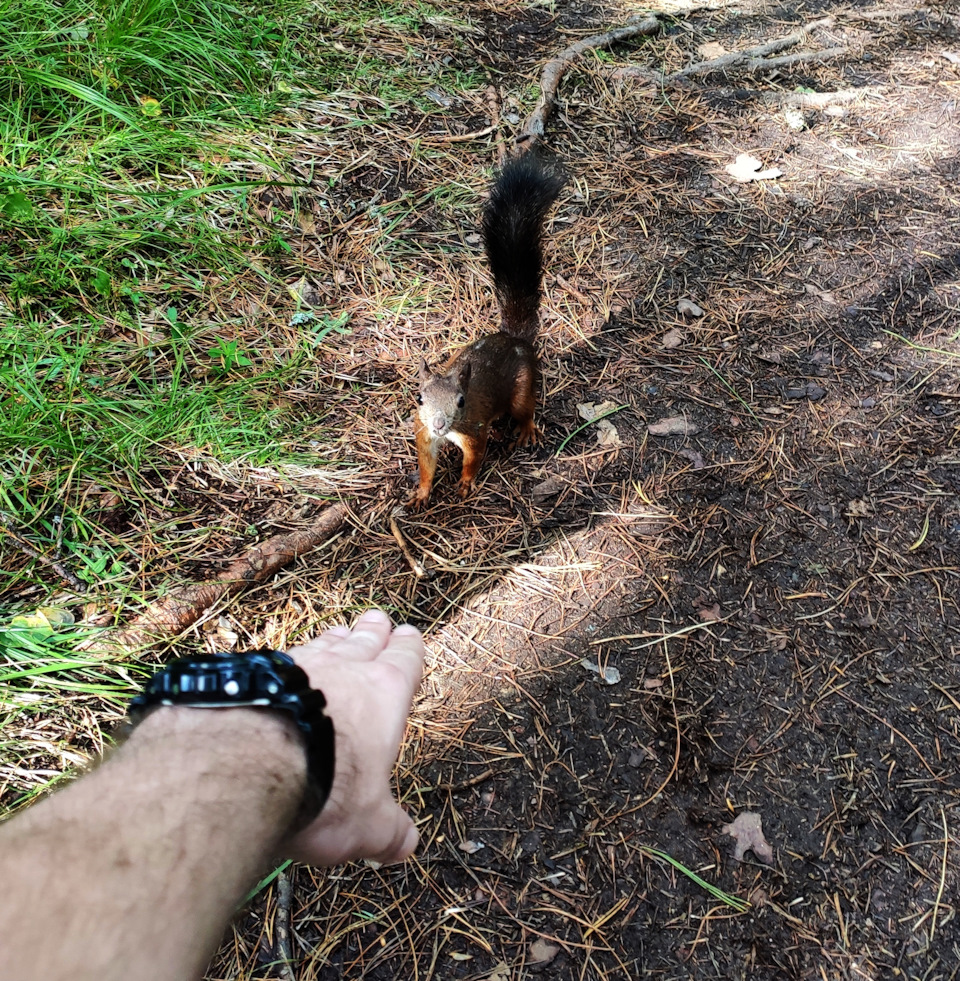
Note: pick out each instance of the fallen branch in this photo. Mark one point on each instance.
(753, 58)
(800, 58)
(533, 126)
(184, 605)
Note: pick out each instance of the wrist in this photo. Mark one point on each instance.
(234, 756)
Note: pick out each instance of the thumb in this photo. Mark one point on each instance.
(403, 835)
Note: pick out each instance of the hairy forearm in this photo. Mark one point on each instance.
(154, 850)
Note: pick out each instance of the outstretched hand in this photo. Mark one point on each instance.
(369, 674)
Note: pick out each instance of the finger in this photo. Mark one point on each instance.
(320, 644)
(403, 840)
(367, 638)
(404, 651)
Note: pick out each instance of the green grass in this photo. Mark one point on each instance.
(109, 158)
(735, 902)
(127, 134)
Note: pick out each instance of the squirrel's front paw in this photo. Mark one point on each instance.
(418, 498)
(464, 488)
(529, 435)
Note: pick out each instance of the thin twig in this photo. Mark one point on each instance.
(943, 875)
(418, 569)
(58, 567)
(284, 947)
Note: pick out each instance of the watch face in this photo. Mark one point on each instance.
(262, 677)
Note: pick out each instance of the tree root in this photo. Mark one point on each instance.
(184, 605)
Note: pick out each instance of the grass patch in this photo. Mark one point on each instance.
(132, 136)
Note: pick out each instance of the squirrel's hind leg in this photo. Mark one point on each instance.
(523, 405)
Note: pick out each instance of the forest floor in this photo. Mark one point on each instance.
(776, 582)
(764, 546)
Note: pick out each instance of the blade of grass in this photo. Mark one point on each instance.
(740, 905)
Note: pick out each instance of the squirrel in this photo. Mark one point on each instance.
(498, 374)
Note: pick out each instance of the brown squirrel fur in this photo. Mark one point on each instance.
(498, 374)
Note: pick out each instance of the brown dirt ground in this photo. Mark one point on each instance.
(777, 585)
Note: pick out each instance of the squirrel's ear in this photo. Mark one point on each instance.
(424, 371)
(464, 375)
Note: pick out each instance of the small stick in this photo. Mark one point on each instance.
(418, 569)
(466, 784)
(943, 875)
(284, 902)
(460, 137)
(58, 567)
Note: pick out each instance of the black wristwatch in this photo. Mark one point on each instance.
(265, 679)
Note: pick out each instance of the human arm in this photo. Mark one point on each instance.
(134, 869)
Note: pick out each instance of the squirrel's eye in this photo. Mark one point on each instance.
(460, 401)
(419, 400)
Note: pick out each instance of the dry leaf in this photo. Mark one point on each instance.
(695, 458)
(688, 308)
(609, 674)
(673, 426)
(542, 952)
(672, 339)
(386, 272)
(471, 847)
(710, 50)
(859, 509)
(758, 897)
(748, 833)
(500, 973)
(747, 168)
(547, 489)
(589, 411)
(607, 434)
(794, 118)
(708, 613)
(227, 635)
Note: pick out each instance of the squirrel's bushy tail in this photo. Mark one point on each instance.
(513, 235)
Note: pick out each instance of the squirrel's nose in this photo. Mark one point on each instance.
(439, 423)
